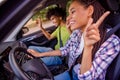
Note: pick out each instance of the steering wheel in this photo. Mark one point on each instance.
(27, 69)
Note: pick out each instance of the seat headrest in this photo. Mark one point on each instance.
(111, 5)
(113, 19)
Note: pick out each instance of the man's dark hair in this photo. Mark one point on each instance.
(59, 12)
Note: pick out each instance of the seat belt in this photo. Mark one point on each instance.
(112, 31)
(61, 43)
(117, 68)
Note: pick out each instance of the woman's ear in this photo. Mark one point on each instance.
(90, 10)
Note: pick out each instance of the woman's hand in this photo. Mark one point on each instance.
(68, 25)
(91, 36)
(91, 33)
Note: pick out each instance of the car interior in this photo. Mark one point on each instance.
(113, 71)
(14, 60)
(16, 14)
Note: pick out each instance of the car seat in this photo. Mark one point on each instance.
(113, 71)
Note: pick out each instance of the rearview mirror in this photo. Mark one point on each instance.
(25, 30)
(21, 32)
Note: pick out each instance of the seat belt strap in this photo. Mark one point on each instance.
(61, 43)
(117, 68)
(112, 31)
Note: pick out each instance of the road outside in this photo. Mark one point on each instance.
(33, 26)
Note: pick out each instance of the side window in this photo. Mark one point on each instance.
(32, 23)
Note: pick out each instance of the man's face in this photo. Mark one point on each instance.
(55, 20)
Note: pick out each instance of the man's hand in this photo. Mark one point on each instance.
(33, 52)
(39, 23)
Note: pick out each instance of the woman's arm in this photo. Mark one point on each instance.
(91, 36)
(86, 60)
(103, 57)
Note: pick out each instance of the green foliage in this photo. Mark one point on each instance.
(42, 13)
